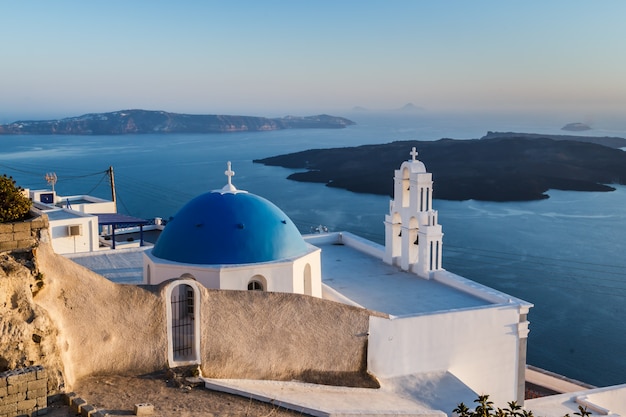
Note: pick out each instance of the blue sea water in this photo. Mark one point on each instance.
(564, 254)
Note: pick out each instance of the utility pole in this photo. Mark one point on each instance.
(112, 181)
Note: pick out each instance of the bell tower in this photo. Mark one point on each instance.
(413, 236)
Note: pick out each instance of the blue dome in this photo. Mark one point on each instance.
(218, 228)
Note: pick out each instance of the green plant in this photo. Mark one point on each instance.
(485, 408)
(14, 205)
(583, 412)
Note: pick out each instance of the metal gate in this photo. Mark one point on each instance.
(182, 322)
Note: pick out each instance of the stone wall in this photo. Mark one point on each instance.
(24, 392)
(22, 235)
(281, 336)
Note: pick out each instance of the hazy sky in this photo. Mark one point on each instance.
(65, 58)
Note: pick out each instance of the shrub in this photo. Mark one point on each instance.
(14, 205)
(485, 408)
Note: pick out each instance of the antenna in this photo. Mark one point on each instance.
(51, 179)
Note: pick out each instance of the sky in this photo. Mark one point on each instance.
(269, 58)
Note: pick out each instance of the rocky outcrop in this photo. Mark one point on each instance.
(145, 121)
(497, 169)
(28, 335)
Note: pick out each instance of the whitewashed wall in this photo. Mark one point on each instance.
(480, 346)
(286, 276)
(93, 204)
(87, 241)
(156, 271)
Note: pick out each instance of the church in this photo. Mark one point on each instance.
(230, 239)
(234, 240)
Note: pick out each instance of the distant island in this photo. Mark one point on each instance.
(512, 167)
(576, 127)
(407, 108)
(147, 121)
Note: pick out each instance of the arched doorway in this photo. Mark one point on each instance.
(183, 322)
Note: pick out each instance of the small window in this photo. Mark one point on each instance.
(255, 286)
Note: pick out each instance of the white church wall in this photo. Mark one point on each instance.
(479, 346)
(478, 290)
(208, 277)
(307, 274)
(393, 240)
(277, 275)
(287, 276)
(363, 245)
(155, 273)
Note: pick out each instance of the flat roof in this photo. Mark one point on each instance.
(375, 285)
(62, 214)
(122, 266)
(63, 203)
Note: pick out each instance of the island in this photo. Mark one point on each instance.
(576, 127)
(508, 168)
(610, 141)
(148, 121)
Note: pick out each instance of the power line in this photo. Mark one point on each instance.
(98, 184)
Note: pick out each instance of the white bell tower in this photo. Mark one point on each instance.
(413, 237)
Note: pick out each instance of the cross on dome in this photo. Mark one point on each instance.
(414, 154)
(230, 174)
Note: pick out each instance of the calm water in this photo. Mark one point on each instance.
(564, 254)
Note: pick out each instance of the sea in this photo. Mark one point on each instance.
(565, 254)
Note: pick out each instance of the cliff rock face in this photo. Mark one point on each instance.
(144, 121)
(28, 336)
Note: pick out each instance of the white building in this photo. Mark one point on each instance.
(72, 231)
(440, 325)
(80, 203)
(79, 223)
